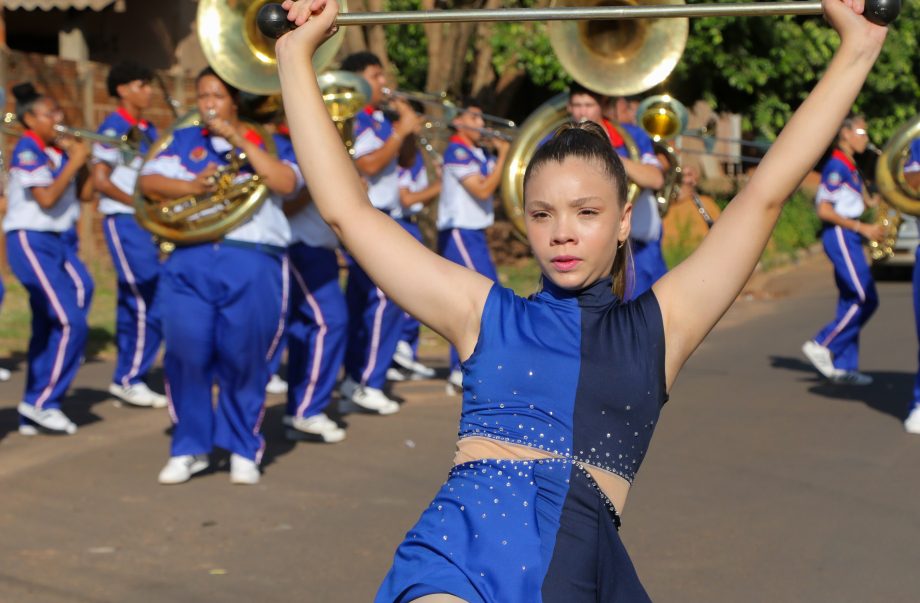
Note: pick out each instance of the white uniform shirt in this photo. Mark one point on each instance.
(414, 179)
(35, 164)
(646, 219)
(841, 186)
(124, 171)
(190, 152)
(372, 129)
(457, 208)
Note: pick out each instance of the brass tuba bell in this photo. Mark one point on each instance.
(898, 197)
(241, 54)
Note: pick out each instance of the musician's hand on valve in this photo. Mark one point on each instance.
(409, 122)
(223, 128)
(501, 145)
(873, 232)
(315, 20)
(204, 182)
(77, 150)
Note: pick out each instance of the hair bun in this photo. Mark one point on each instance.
(25, 93)
(585, 126)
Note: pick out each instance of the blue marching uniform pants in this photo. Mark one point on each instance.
(374, 327)
(858, 297)
(468, 248)
(317, 330)
(138, 329)
(48, 268)
(227, 302)
(411, 325)
(916, 400)
(77, 270)
(649, 265)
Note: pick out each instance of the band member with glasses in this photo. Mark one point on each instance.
(41, 215)
(470, 176)
(138, 332)
(226, 299)
(841, 200)
(374, 321)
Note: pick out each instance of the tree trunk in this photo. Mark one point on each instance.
(376, 37)
(355, 37)
(483, 73)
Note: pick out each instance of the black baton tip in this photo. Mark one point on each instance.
(273, 22)
(882, 12)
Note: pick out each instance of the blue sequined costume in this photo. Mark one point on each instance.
(575, 373)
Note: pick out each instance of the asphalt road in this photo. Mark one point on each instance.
(763, 483)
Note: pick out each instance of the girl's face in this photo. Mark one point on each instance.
(45, 114)
(214, 100)
(574, 221)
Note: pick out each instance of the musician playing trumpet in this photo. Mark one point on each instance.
(43, 209)
(138, 332)
(470, 176)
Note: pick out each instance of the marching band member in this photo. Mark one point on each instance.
(470, 176)
(415, 192)
(645, 235)
(374, 321)
(912, 165)
(138, 332)
(43, 206)
(912, 175)
(840, 201)
(227, 299)
(317, 327)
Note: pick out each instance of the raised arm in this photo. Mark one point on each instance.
(441, 294)
(697, 293)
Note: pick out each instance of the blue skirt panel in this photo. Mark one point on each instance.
(490, 535)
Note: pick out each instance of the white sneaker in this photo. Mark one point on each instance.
(317, 425)
(276, 385)
(138, 394)
(912, 422)
(843, 377)
(820, 357)
(5, 374)
(243, 470)
(455, 383)
(51, 419)
(394, 374)
(180, 469)
(405, 358)
(368, 399)
(28, 430)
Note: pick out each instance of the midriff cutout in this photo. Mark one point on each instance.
(479, 448)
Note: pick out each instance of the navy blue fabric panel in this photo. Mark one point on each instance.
(519, 385)
(590, 563)
(622, 384)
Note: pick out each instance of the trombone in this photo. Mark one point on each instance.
(450, 109)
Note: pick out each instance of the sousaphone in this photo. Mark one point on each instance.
(615, 58)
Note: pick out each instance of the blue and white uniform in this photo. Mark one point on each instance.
(911, 166)
(841, 186)
(43, 255)
(374, 321)
(463, 218)
(522, 531)
(415, 180)
(138, 332)
(318, 321)
(646, 229)
(225, 301)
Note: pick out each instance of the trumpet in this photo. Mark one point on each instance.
(122, 143)
(449, 108)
